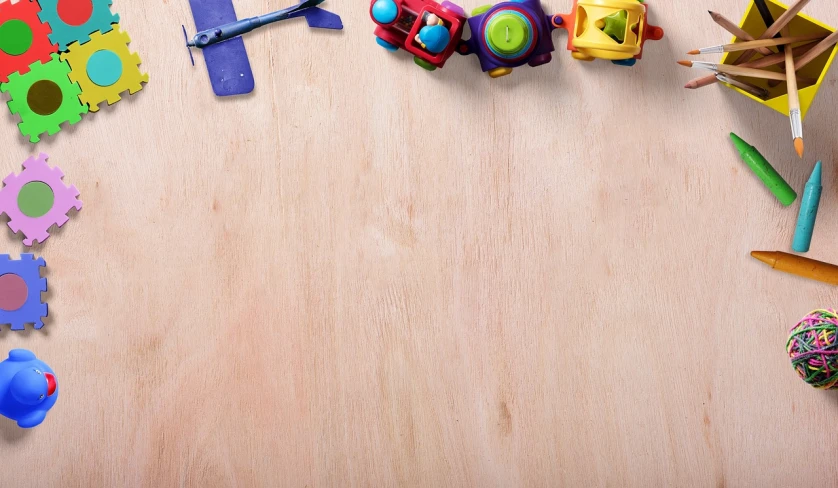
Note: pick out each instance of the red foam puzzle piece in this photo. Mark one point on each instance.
(41, 48)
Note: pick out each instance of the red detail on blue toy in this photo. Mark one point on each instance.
(28, 388)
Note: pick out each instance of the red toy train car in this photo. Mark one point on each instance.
(424, 28)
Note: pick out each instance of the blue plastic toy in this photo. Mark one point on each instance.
(434, 38)
(28, 388)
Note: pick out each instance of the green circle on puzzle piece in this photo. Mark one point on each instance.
(35, 199)
(44, 97)
(15, 37)
(508, 33)
(104, 67)
(13, 292)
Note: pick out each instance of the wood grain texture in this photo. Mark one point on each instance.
(368, 275)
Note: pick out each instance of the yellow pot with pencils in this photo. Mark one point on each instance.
(810, 77)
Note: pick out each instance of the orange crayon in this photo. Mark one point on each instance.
(800, 266)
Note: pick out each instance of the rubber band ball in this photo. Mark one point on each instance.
(813, 349)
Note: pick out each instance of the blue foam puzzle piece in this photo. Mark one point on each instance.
(33, 310)
(227, 62)
(319, 18)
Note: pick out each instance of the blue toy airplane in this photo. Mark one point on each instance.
(220, 38)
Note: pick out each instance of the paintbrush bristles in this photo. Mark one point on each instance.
(798, 147)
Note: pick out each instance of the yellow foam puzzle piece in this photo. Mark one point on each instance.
(116, 41)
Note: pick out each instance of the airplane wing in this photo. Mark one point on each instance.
(227, 62)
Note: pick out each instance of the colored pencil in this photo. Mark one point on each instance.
(737, 31)
(821, 48)
(735, 70)
(744, 46)
(794, 101)
(765, 13)
(775, 28)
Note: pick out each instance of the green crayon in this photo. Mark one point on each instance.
(760, 166)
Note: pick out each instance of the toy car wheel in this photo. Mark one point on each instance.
(481, 10)
(386, 45)
(540, 59)
(625, 62)
(424, 64)
(385, 11)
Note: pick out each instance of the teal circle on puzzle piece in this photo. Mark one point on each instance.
(104, 67)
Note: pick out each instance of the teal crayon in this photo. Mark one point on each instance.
(808, 212)
(763, 169)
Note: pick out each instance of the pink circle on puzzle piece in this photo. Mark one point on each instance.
(37, 229)
(13, 292)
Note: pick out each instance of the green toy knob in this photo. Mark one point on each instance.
(508, 33)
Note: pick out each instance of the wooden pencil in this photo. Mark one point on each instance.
(779, 58)
(765, 13)
(775, 28)
(821, 48)
(737, 31)
(794, 100)
(746, 56)
(744, 46)
(735, 70)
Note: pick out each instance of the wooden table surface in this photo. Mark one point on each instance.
(364, 274)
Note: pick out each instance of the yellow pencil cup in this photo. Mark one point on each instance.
(816, 71)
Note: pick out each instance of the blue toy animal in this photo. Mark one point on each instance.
(27, 388)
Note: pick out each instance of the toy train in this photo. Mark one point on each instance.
(513, 33)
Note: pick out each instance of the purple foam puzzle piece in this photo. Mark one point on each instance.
(227, 62)
(36, 229)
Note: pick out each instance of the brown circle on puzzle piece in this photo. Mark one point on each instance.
(44, 97)
(13, 292)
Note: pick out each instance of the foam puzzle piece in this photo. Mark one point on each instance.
(44, 98)
(22, 285)
(74, 20)
(24, 39)
(227, 62)
(37, 199)
(104, 68)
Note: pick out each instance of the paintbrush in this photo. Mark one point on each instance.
(744, 46)
(794, 100)
(735, 70)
